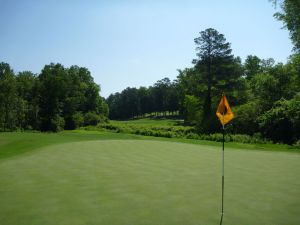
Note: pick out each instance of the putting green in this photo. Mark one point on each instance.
(130, 182)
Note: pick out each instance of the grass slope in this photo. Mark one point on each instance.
(15, 143)
(146, 182)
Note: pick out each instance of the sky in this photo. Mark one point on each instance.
(133, 43)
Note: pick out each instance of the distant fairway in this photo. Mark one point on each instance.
(137, 182)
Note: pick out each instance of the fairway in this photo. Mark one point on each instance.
(145, 182)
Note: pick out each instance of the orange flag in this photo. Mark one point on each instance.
(224, 112)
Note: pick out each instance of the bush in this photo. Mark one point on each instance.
(78, 119)
(178, 132)
(242, 138)
(192, 136)
(57, 123)
(91, 118)
(245, 118)
(74, 121)
(297, 144)
(216, 137)
(282, 122)
(192, 109)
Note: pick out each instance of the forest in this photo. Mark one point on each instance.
(264, 95)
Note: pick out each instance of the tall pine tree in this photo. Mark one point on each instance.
(217, 69)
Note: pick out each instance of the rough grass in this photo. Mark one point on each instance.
(151, 121)
(173, 129)
(145, 182)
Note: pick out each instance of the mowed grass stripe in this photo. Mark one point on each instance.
(148, 182)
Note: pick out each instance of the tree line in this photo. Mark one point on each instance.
(265, 95)
(57, 98)
(156, 100)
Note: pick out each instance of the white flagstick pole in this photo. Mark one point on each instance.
(222, 209)
(222, 212)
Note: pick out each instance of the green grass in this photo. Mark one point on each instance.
(15, 143)
(85, 177)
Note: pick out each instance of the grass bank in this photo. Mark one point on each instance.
(16, 143)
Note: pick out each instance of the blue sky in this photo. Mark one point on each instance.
(132, 43)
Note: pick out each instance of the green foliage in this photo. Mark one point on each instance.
(52, 92)
(152, 121)
(293, 67)
(78, 119)
(55, 99)
(57, 123)
(290, 16)
(245, 120)
(28, 100)
(192, 109)
(147, 129)
(75, 121)
(264, 88)
(103, 107)
(237, 138)
(174, 131)
(282, 122)
(297, 144)
(216, 67)
(92, 118)
(252, 66)
(8, 98)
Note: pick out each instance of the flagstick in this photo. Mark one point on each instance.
(222, 211)
(224, 114)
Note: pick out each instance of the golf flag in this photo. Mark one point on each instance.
(224, 112)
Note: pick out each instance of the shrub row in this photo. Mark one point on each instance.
(149, 130)
(177, 132)
(241, 138)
